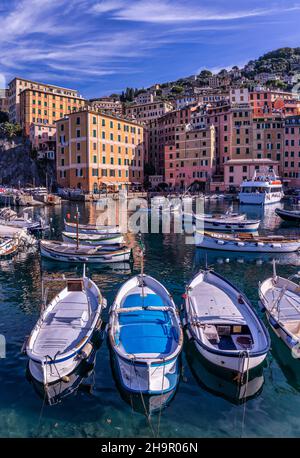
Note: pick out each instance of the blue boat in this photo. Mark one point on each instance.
(146, 337)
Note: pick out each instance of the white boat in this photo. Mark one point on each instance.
(221, 322)
(8, 246)
(8, 217)
(68, 252)
(146, 337)
(280, 298)
(246, 242)
(226, 223)
(93, 239)
(62, 337)
(262, 189)
(91, 228)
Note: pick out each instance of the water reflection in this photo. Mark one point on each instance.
(224, 383)
(287, 363)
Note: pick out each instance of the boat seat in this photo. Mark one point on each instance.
(137, 300)
(69, 316)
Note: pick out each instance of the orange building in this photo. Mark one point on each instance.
(96, 150)
(45, 107)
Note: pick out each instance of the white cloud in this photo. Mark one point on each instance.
(107, 5)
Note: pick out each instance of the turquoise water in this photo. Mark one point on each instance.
(204, 405)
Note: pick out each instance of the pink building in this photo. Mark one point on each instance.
(43, 139)
(191, 159)
(238, 170)
(291, 160)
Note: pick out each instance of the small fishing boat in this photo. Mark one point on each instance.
(8, 246)
(63, 336)
(220, 320)
(292, 216)
(91, 228)
(68, 252)
(246, 242)
(9, 217)
(280, 299)
(146, 337)
(227, 223)
(93, 239)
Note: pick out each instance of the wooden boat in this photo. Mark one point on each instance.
(228, 224)
(62, 337)
(145, 336)
(93, 239)
(8, 246)
(292, 216)
(246, 242)
(91, 228)
(68, 252)
(9, 217)
(280, 298)
(220, 320)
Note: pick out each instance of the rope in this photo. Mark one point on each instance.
(160, 409)
(143, 401)
(245, 393)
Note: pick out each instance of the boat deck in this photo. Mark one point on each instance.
(64, 326)
(146, 332)
(289, 304)
(213, 304)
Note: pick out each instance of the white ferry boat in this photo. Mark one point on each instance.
(262, 189)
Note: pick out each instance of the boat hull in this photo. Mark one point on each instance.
(250, 247)
(92, 229)
(238, 363)
(289, 216)
(111, 239)
(259, 198)
(147, 378)
(232, 226)
(104, 258)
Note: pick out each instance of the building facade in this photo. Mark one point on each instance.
(238, 170)
(148, 111)
(191, 159)
(97, 150)
(18, 85)
(291, 160)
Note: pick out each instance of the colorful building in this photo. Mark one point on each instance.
(18, 85)
(291, 160)
(96, 150)
(148, 111)
(45, 107)
(191, 159)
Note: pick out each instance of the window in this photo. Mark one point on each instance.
(78, 146)
(94, 133)
(95, 172)
(77, 133)
(95, 159)
(78, 159)
(94, 120)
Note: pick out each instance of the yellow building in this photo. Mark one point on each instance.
(18, 85)
(96, 150)
(43, 107)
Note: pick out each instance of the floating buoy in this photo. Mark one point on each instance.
(65, 379)
(86, 350)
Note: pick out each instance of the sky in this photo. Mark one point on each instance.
(101, 47)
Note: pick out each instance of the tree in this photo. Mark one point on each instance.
(205, 74)
(10, 130)
(176, 89)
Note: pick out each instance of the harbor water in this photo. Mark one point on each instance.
(206, 404)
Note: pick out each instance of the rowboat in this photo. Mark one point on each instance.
(292, 216)
(280, 299)
(8, 246)
(246, 242)
(68, 252)
(145, 336)
(228, 224)
(93, 239)
(222, 324)
(91, 228)
(8, 217)
(63, 335)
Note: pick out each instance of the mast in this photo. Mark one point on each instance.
(77, 228)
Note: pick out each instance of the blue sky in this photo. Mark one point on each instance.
(100, 47)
